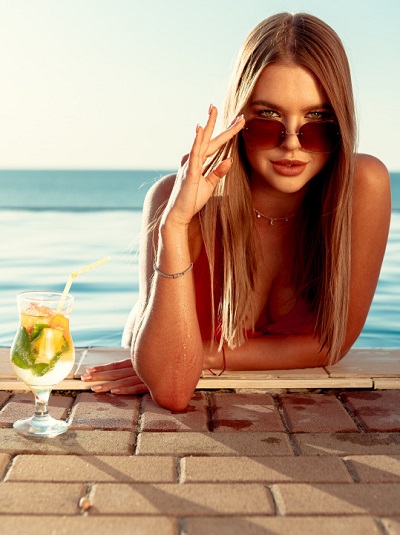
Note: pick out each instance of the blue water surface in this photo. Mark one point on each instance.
(54, 222)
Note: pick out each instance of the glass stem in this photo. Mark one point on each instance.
(41, 403)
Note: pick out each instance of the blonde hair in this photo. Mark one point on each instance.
(321, 270)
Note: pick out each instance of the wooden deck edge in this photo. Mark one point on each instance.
(217, 383)
(67, 384)
(374, 368)
(387, 383)
(267, 384)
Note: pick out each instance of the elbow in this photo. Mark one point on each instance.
(167, 393)
(172, 401)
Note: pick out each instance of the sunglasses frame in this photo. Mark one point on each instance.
(284, 133)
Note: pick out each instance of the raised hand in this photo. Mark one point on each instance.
(192, 189)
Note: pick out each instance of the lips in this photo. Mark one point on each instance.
(289, 167)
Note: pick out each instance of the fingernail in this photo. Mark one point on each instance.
(115, 391)
(238, 119)
(210, 109)
(86, 377)
(197, 127)
(96, 388)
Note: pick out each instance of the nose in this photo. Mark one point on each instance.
(291, 140)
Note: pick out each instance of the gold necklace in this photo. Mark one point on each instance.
(272, 220)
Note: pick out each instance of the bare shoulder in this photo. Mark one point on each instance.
(371, 205)
(154, 203)
(371, 172)
(371, 184)
(158, 194)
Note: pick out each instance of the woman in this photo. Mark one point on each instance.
(264, 251)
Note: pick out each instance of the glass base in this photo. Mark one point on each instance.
(43, 426)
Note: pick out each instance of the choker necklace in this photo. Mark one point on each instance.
(272, 220)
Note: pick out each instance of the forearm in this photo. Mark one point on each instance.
(168, 350)
(270, 352)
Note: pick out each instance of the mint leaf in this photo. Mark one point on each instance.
(42, 368)
(37, 330)
(21, 354)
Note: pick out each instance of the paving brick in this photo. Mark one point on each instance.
(4, 396)
(40, 498)
(4, 460)
(64, 525)
(251, 444)
(23, 406)
(193, 418)
(245, 412)
(72, 442)
(105, 411)
(375, 468)
(337, 499)
(316, 413)
(182, 500)
(377, 411)
(392, 525)
(62, 468)
(357, 525)
(343, 444)
(264, 469)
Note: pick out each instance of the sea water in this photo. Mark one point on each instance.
(55, 222)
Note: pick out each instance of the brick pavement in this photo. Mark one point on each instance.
(233, 462)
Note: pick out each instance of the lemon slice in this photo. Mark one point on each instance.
(48, 344)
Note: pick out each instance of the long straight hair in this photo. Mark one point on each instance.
(321, 269)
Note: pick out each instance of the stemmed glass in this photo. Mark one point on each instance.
(42, 355)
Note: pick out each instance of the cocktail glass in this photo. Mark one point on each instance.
(42, 355)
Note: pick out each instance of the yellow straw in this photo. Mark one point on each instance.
(75, 274)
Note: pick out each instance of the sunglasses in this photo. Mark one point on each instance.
(321, 136)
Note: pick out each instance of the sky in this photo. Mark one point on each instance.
(121, 84)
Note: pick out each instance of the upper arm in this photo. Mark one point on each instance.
(370, 228)
(154, 202)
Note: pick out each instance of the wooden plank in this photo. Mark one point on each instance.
(67, 384)
(305, 373)
(361, 368)
(9, 380)
(215, 383)
(263, 383)
(97, 356)
(367, 363)
(386, 383)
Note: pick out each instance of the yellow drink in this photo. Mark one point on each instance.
(42, 353)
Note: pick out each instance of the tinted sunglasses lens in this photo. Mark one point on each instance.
(319, 137)
(260, 133)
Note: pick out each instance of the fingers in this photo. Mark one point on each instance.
(203, 146)
(138, 389)
(112, 375)
(120, 364)
(225, 136)
(221, 170)
(131, 385)
(209, 129)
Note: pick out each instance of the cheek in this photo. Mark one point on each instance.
(319, 161)
(256, 159)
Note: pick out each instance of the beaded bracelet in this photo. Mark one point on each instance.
(174, 275)
(223, 365)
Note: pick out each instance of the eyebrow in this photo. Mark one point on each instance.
(324, 106)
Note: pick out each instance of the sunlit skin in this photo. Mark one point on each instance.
(290, 94)
(169, 356)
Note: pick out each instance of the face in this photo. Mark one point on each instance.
(292, 95)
